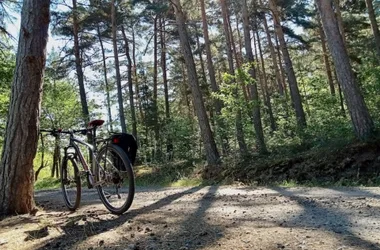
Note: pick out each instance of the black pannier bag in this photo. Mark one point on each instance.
(128, 143)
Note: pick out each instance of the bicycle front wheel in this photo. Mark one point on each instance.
(70, 183)
(114, 179)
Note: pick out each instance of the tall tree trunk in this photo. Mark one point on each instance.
(238, 123)
(107, 87)
(266, 94)
(21, 137)
(293, 85)
(211, 72)
(256, 115)
(136, 78)
(237, 58)
(117, 68)
(281, 66)
(375, 26)
(130, 84)
(169, 143)
(155, 88)
(326, 57)
(211, 150)
(360, 117)
(78, 65)
(274, 58)
(340, 21)
(200, 55)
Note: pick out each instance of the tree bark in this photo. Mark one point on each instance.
(340, 21)
(78, 66)
(117, 68)
(375, 27)
(211, 72)
(169, 143)
(238, 123)
(274, 58)
(136, 78)
(21, 138)
(266, 94)
(293, 85)
(155, 88)
(130, 84)
(326, 57)
(256, 115)
(212, 154)
(360, 117)
(106, 84)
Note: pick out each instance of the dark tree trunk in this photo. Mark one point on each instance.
(266, 94)
(169, 143)
(106, 84)
(212, 154)
(136, 79)
(238, 123)
(21, 137)
(293, 85)
(78, 66)
(360, 117)
(375, 27)
(256, 115)
(340, 21)
(211, 72)
(130, 84)
(155, 88)
(117, 68)
(274, 59)
(326, 57)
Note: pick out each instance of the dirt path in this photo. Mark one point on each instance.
(205, 218)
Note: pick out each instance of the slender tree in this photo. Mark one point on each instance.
(326, 57)
(211, 150)
(273, 57)
(238, 123)
(106, 83)
(117, 68)
(211, 73)
(20, 145)
(78, 64)
(130, 83)
(293, 85)
(375, 26)
(360, 117)
(256, 115)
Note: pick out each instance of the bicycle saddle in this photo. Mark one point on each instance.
(95, 123)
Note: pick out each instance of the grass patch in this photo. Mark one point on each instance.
(47, 183)
(174, 174)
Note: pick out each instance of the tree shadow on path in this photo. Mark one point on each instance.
(333, 220)
(66, 241)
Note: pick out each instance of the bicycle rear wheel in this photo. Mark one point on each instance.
(114, 179)
(70, 183)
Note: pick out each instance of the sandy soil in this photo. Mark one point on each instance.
(216, 217)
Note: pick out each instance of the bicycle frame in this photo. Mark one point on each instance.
(93, 153)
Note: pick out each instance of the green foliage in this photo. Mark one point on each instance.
(47, 183)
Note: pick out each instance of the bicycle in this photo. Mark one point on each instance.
(110, 173)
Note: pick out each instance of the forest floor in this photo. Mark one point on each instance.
(205, 217)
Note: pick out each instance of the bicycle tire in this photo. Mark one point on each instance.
(69, 177)
(114, 168)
